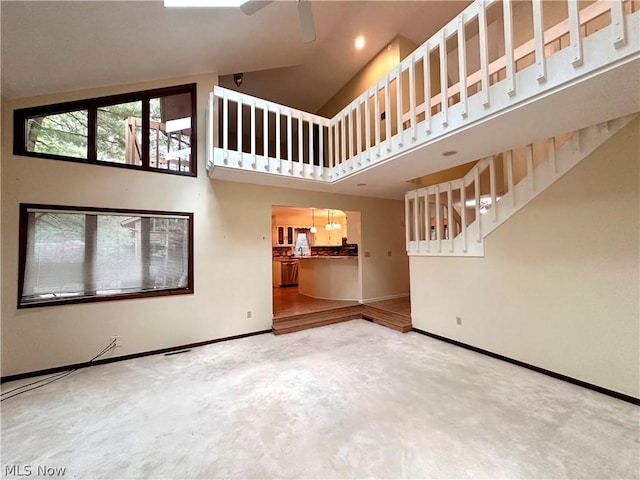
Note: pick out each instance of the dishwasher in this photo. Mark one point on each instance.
(289, 273)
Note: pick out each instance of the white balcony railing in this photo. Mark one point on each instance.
(454, 217)
(515, 51)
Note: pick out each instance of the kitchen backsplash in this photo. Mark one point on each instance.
(282, 252)
(346, 250)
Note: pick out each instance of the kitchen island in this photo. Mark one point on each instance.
(329, 277)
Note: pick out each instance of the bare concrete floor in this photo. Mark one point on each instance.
(351, 400)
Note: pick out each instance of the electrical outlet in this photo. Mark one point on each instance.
(117, 340)
(249, 314)
(458, 320)
(367, 254)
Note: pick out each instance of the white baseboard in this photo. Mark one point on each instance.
(387, 297)
(337, 299)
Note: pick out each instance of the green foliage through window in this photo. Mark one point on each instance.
(71, 255)
(150, 130)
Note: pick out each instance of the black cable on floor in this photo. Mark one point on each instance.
(51, 378)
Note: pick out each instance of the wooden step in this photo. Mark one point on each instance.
(296, 323)
(397, 321)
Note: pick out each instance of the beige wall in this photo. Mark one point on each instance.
(379, 66)
(558, 286)
(232, 251)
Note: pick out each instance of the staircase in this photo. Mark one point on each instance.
(453, 218)
(394, 314)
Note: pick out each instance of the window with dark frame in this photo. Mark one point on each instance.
(83, 254)
(152, 130)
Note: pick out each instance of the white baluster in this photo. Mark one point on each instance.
(239, 131)
(508, 155)
(484, 51)
(476, 189)
(300, 145)
(438, 219)
(367, 126)
(412, 98)
(427, 89)
(416, 220)
(351, 141)
(253, 135)
(538, 37)
(508, 47)
(344, 141)
(574, 33)
(399, 107)
(451, 222)
(462, 61)
(377, 120)
(278, 139)
(212, 135)
(359, 132)
(225, 128)
(492, 187)
(265, 138)
(427, 219)
(290, 140)
(387, 113)
(444, 79)
(617, 23)
(407, 222)
(336, 139)
(463, 216)
(311, 149)
(330, 145)
(321, 147)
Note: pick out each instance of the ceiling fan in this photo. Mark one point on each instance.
(304, 12)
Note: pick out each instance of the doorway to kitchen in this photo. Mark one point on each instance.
(316, 270)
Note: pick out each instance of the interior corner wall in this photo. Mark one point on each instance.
(558, 287)
(232, 250)
(373, 71)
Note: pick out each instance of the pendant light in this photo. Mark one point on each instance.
(328, 226)
(313, 228)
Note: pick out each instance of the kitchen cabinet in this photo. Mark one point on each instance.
(285, 235)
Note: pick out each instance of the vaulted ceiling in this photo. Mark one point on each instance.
(57, 46)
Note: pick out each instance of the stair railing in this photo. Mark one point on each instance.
(493, 190)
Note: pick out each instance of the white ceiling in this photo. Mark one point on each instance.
(53, 46)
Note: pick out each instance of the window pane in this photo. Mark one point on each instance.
(55, 256)
(170, 132)
(118, 266)
(65, 131)
(86, 255)
(119, 138)
(58, 134)
(169, 253)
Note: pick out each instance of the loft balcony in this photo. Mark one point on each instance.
(499, 75)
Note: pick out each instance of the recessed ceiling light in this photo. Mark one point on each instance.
(361, 185)
(449, 153)
(203, 3)
(360, 42)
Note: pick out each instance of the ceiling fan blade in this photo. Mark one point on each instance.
(252, 6)
(306, 21)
